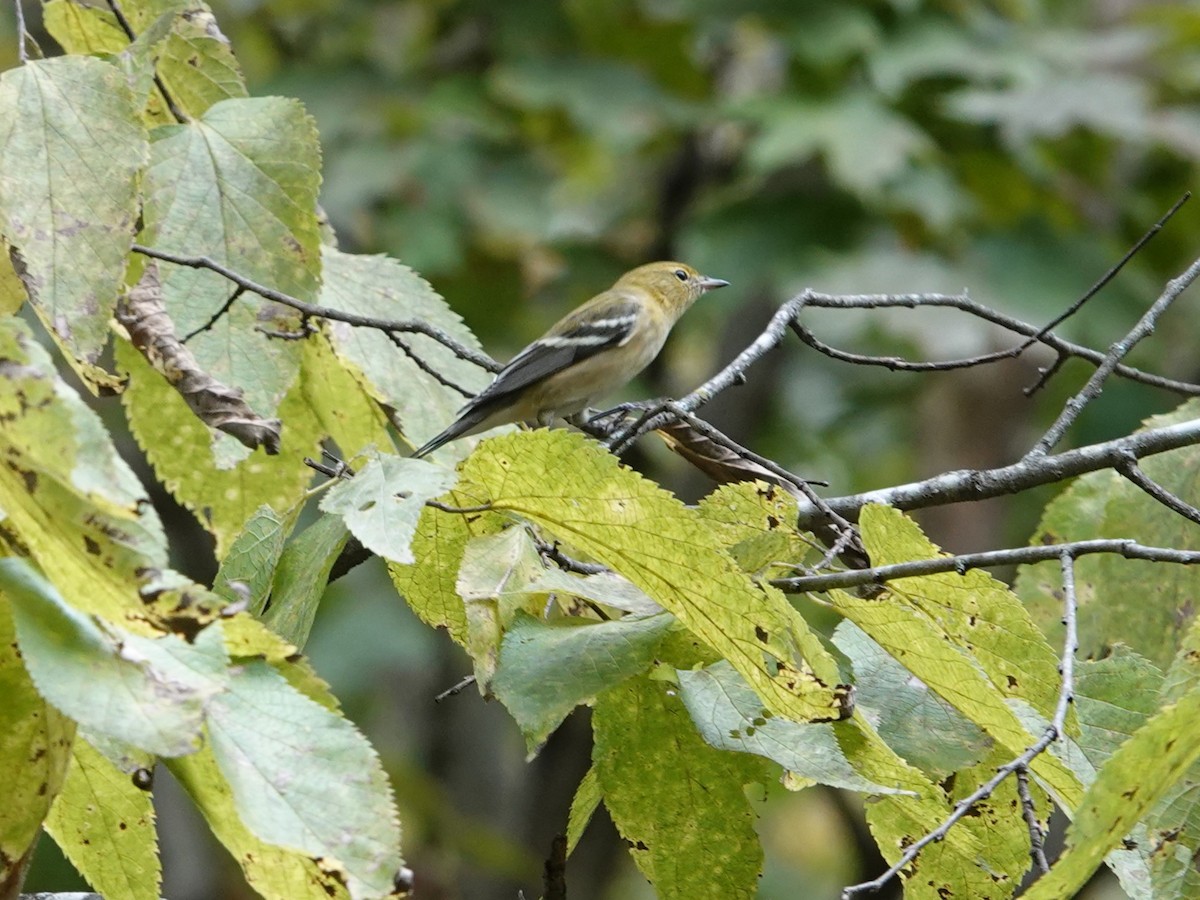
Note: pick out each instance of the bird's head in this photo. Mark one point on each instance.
(676, 283)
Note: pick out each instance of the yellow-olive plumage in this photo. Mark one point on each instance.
(587, 354)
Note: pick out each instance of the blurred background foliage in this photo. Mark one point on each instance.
(521, 155)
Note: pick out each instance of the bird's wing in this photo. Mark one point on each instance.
(579, 335)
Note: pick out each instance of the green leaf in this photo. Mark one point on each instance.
(276, 873)
(264, 736)
(383, 501)
(1172, 836)
(729, 716)
(1114, 697)
(35, 749)
(1133, 779)
(301, 578)
(238, 185)
(252, 559)
(71, 204)
(1183, 675)
(930, 47)
(138, 60)
(381, 287)
(678, 803)
(493, 571)
(915, 722)
(587, 798)
(104, 825)
(665, 549)
(546, 669)
(864, 143)
(608, 100)
(606, 588)
(1053, 104)
(78, 508)
(1143, 605)
(179, 447)
(148, 692)
(1173, 827)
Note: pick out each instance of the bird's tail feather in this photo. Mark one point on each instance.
(465, 424)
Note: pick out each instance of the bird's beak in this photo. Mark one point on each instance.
(711, 284)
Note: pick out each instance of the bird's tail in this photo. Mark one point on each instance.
(465, 424)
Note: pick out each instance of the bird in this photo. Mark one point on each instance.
(589, 353)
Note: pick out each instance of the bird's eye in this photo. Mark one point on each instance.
(681, 275)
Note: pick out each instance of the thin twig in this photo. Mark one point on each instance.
(461, 510)
(1070, 620)
(962, 563)
(1117, 352)
(455, 689)
(462, 351)
(964, 304)
(1051, 733)
(178, 114)
(549, 551)
(845, 539)
(1104, 280)
(1037, 837)
(303, 333)
(337, 470)
(978, 484)
(1134, 473)
(425, 367)
(1048, 372)
(22, 34)
(899, 364)
(215, 317)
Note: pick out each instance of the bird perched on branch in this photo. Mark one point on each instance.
(587, 354)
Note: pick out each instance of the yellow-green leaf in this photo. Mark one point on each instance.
(580, 493)
(923, 649)
(84, 30)
(104, 825)
(35, 749)
(179, 446)
(975, 612)
(678, 803)
(587, 797)
(67, 495)
(1128, 785)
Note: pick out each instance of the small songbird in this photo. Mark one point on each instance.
(588, 353)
